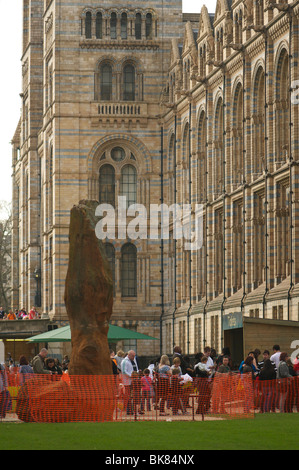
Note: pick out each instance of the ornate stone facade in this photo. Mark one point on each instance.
(161, 106)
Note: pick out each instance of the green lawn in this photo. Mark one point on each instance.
(273, 431)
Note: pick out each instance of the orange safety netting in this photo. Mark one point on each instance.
(54, 398)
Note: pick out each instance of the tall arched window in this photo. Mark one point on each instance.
(129, 83)
(202, 155)
(106, 82)
(148, 26)
(128, 184)
(219, 45)
(171, 186)
(237, 132)
(88, 21)
(129, 270)
(259, 12)
(218, 148)
(99, 26)
(282, 108)
(185, 171)
(258, 137)
(113, 26)
(107, 185)
(138, 23)
(110, 253)
(124, 26)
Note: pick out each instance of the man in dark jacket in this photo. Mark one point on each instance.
(38, 362)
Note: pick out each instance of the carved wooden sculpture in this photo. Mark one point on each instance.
(88, 294)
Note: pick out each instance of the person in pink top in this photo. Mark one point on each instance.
(146, 390)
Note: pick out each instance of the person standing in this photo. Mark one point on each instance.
(128, 366)
(163, 375)
(33, 315)
(24, 370)
(224, 367)
(283, 374)
(276, 355)
(38, 362)
(266, 377)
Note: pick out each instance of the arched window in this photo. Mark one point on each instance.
(282, 108)
(148, 26)
(128, 184)
(259, 12)
(113, 26)
(138, 23)
(99, 26)
(124, 26)
(88, 19)
(171, 156)
(218, 147)
(106, 82)
(107, 185)
(258, 136)
(202, 156)
(129, 83)
(219, 45)
(185, 171)
(237, 133)
(110, 253)
(129, 270)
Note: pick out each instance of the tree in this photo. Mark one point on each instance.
(5, 254)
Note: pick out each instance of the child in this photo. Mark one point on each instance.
(135, 391)
(176, 392)
(177, 365)
(146, 390)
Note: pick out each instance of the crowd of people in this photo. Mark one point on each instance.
(162, 385)
(21, 314)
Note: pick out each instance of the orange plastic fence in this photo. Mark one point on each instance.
(54, 398)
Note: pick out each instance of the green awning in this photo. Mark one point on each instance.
(115, 333)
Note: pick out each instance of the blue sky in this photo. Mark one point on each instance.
(10, 79)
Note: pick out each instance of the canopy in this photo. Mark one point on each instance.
(115, 333)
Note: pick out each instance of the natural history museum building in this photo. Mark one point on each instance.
(141, 100)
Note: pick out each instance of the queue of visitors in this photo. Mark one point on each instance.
(161, 382)
(162, 385)
(19, 314)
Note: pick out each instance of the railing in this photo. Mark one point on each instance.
(121, 109)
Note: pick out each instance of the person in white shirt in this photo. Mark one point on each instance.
(128, 365)
(210, 362)
(276, 355)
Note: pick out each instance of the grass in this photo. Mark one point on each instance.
(264, 432)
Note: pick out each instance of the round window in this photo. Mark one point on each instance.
(118, 154)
